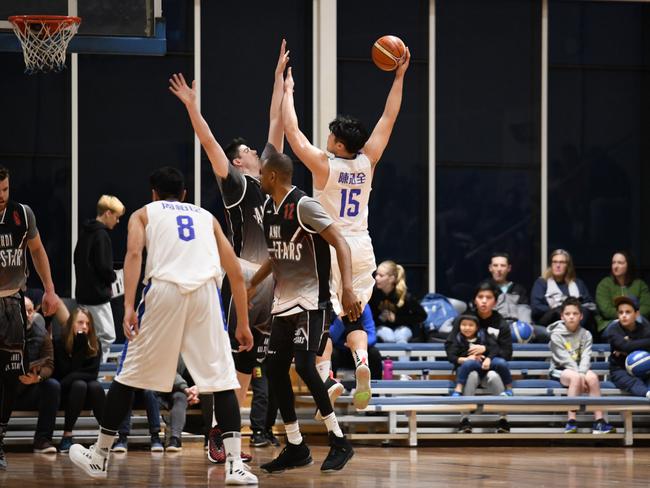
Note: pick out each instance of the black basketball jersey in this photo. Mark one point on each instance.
(300, 257)
(244, 202)
(17, 225)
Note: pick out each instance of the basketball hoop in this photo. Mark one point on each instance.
(44, 39)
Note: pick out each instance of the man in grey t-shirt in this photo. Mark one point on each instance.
(17, 233)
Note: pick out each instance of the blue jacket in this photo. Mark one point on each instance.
(337, 330)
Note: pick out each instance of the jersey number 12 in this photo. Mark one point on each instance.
(349, 205)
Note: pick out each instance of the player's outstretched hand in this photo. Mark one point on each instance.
(130, 324)
(244, 337)
(351, 306)
(283, 59)
(288, 81)
(179, 87)
(404, 64)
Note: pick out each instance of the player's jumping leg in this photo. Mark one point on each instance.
(357, 341)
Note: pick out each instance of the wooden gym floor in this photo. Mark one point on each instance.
(372, 467)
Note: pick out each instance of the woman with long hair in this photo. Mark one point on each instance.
(398, 316)
(623, 280)
(77, 354)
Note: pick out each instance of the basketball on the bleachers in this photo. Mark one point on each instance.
(522, 332)
(387, 52)
(637, 363)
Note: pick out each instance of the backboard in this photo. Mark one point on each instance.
(107, 26)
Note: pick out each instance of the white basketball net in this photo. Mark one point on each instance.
(44, 42)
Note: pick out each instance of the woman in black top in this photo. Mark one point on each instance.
(77, 355)
(398, 316)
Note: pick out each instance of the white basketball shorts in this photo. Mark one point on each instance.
(171, 323)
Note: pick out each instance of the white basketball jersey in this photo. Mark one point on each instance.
(346, 193)
(181, 246)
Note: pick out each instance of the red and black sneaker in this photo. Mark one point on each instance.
(216, 451)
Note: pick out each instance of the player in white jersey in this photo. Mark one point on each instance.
(342, 177)
(180, 313)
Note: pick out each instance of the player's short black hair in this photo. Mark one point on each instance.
(500, 255)
(281, 164)
(4, 173)
(232, 149)
(571, 301)
(349, 131)
(168, 183)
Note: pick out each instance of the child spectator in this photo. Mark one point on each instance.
(627, 335)
(466, 363)
(570, 362)
(77, 354)
(489, 320)
(397, 315)
(623, 281)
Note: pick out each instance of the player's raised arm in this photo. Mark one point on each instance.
(235, 276)
(213, 149)
(351, 306)
(311, 156)
(378, 140)
(276, 128)
(132, 265)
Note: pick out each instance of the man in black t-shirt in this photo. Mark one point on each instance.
(17, 233)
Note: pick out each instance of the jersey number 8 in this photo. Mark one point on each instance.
(185, 228)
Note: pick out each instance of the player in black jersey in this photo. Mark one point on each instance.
(299, 232)
(17, 233)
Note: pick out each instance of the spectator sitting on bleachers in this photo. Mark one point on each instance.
(481, 365)
(558, 282)
(342, 356)
(176, 402)
(493, 323)
(513, 303)
(571, 362)
(623, 281)
(37, 390)
(397, 315)
(627, 335)
(77, 355)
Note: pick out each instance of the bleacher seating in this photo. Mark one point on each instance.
(421, 407)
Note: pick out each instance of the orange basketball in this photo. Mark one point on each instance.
(387, 51)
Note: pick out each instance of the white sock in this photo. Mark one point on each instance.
(293, 433)
(232, 444)
(323, 369)
(647, 395)
(104, 442)
(333, 425)
(359, 356)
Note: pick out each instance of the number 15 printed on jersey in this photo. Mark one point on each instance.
(349, 204)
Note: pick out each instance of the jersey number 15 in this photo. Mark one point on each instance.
(349, 204)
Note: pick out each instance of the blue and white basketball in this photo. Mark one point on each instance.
(522, 332)
(637, 363)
